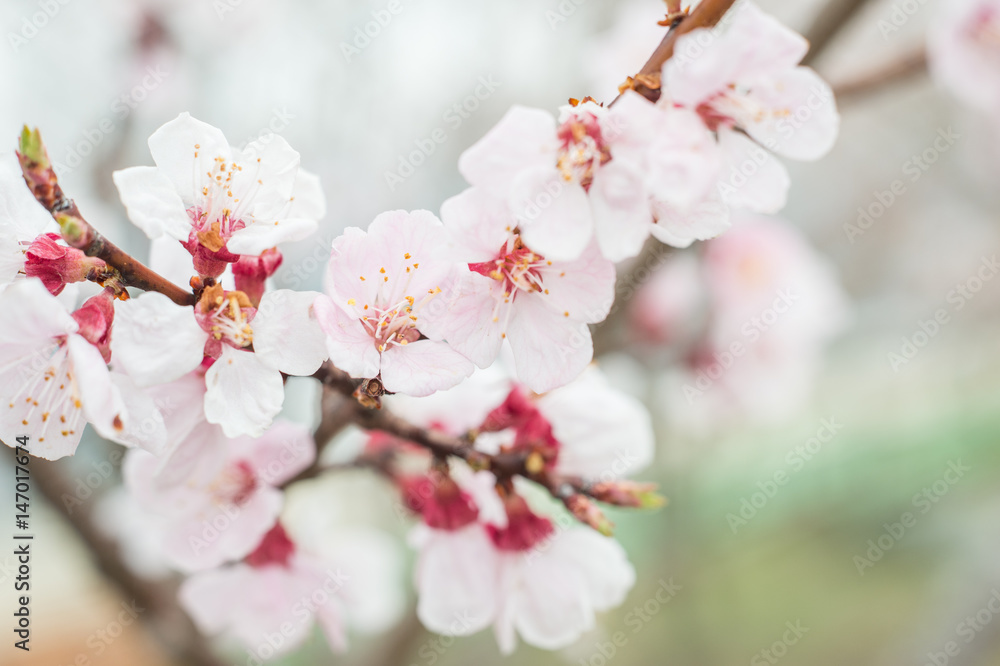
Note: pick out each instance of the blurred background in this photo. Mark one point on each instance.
(789, 475)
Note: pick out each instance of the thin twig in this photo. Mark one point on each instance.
(80, 234)
(705, 15)
(827, 25)
(906, 67)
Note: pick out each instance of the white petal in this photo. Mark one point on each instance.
(423, 367)
(286, 333)
(266, 233)
(152, 202)
(523, 138)
(606, 572)
(479, 223)
(707, 220)
(279, 454)
(350, 345)
(243, 395)
(102, 402)
(185, 149)
(143, 421)
(467, 320)
(801, 121)
(156, 341)
(550, 350)
(622, 215)
(582, 289)
(456, 581)
(309, 202)
(754, 178)
(553, 215)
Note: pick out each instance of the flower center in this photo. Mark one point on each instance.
(517, 268)
(226, 316)
(274, 548)
(583, 148)
(235, 485)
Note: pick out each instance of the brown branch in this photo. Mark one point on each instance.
(174, 629)
(80, 234)
(831, 20)
(705, 15)
(903, 68)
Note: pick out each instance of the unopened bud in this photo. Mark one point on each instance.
(589, 514)
(628, 493)
(251, 272)
(57, 265)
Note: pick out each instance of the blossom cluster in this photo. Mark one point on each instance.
(474, 325)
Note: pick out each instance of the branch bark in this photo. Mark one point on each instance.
(80, 234)
(828, 24)
(905, 67)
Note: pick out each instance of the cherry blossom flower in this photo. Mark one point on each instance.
(540, 306)
(157, 341)
(53, 366)
(748, 78)
(380, 284)
(215, 497)
(964, 51)
(296, 577)
(218, 200)
(521, 576)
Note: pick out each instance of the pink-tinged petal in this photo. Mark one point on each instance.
(762, 45)
(185, 149)
(622, 215)
(268, 232)
(606, 434)
(211, 598)
(196, 461)
(478, 222)
(684, 161)
(350, 345)
(102, 403)
(411, 248)
(550, 350)
(523, 138)
(800, 120)
(309, 202)
(243, 395)
(606, 572)
(181, 404)
(553, 215)
(706, 220)
(630, 124)
(279, 454)
(696, 73)
(219, 534)
(423, 367)
(580, 290)
(753, 178)
(143, 423)
(456, 580)
(152, 202)
(287, 334)
(155, 340)
(468, 319)
(962, 52)
(552, 605)
(330, 617)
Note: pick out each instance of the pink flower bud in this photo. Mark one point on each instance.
(95, 318)
(251, 272)
(439, 500)
(274, 548)
(57, 265)
(589, 514)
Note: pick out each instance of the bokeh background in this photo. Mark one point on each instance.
(100, 75)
